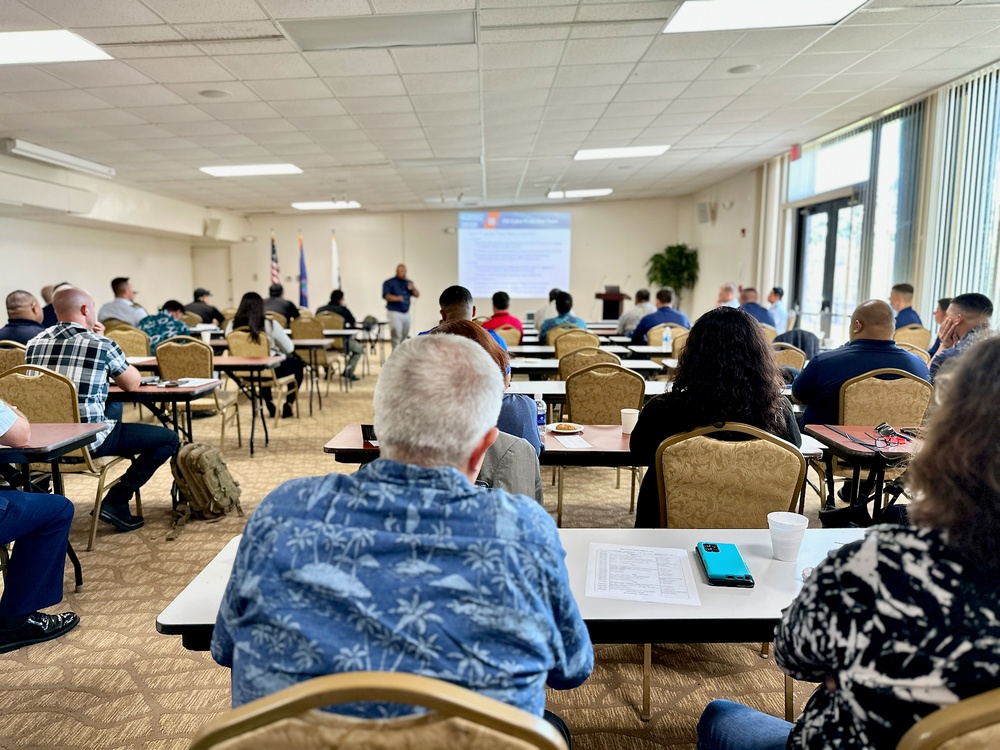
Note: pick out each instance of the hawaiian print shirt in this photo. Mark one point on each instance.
(975, 335)
(161, 327)
(401, 568)
(901, 625)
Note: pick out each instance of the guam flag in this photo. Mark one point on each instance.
(303, 276)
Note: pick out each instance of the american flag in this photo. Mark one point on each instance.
(303, 276)
(275, 273)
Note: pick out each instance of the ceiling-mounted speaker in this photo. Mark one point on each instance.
(212, 227)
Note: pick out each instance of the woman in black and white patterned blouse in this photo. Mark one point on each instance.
(907, 620)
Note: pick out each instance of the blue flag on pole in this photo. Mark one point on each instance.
(303, 277)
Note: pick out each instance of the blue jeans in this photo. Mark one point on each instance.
(725, 725)
(152, 446)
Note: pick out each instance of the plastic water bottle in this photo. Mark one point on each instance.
(541, 410)
(667, 344)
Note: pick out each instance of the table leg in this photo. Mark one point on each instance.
(253, 410)
(190, 427)
(647, 668)
(559, 495)
(57, 488)
(319, 391)
(259, 384)
(312, 377)
(830, 503)
(878, 487)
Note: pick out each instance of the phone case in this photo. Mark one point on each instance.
(723, 565)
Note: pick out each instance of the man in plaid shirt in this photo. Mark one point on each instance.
(76, 348)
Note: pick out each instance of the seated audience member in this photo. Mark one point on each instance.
(201, 306)
(564, 314)
(901, 299)
(501, 314)
(511, 465)
(250, 315)
(548, 310)
(749, 304)
(38, 524)
(123, 307)
(748, 389)
(76, 348)
(871, 348)
(354, 348)
(728, 295)
(967, 323)
(49, 312)
(665, 313)
(277, 303)
(24, 318)
(902, 622)
(406, 565)
(518, 412)
(776, 300)
(456, 304)
(165, 324)
(631, 317)
(940, 315)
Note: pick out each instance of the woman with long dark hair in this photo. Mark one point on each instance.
(250, 315)
(726, 373)
(902, 622)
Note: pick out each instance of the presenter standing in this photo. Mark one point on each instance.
(397, 292)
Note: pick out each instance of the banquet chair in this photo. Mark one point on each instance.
(914, 334)
(787, 355)
(278, 318)
(706, 483)
(573, 340)
(188, 357)
(111, 323)
(970, 724)
(241, 345)
(191, 319)
(510, 335)
(654, 336)
(680, 341)
(331, 321)
(47, 397)
(770, 332)
(11, 355)
(460, 718)
(133, 342)
(583, 358)
(915, 350)
(552, 334)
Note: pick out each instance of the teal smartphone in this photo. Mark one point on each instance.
(723, 565)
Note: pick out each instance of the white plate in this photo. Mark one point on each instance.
(552, 429)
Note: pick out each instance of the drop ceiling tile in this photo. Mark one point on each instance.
(352, 62)
(395, 120)
(366, 86)
(711, 88)
(703, 45)
(157, 51)
(127, 35)
(573, 111)
(669, 120)
(294, 88)
(853, 81)
(262, 126)
(105, 13)
(890, 61)
(309, 107)
(442, 83)
(444, 59)
(646, 29)
(191, 92)
(127, 132)
(24, 78)
(593, 75)
(314, 125)
(244, 67)
(775, 41)
(426, 6)
(13, 106)
(707, 104)
(521, 55)
(207, 127)
(447, 102)
(786, 85)
(61, 101)
(138, 96)
(368, 105)
(809, 64)
(102, 117)
(17, 17)
(542, 14)
(962, 59)
(643, 92)
(182, 69)
(244, 152)
(198, 11)
(249, 47)
(742, 116)
(590, 51)
(518, 78)
(162, 144)
(720, 68)
(316, 8)
(634, 109)
(98, 73)
(545, 34)
(669, 72)
(239, 110)
(939, 35)
(436, 120)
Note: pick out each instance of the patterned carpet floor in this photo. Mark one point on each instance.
(114, 682)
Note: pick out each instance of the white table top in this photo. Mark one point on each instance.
(558, 387)
(552, 365)
(198, 603)
(345, 332)
(541, 350)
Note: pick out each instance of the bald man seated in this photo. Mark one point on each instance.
(76, 348)
(24, 318)
(871, 348)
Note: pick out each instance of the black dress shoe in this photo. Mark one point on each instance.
(121, 518)
(37, 628)
(271, 409)
(286, 411)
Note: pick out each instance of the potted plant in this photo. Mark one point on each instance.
(676, 266)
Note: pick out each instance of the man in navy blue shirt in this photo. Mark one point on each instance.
(664, 314)
(749, 304)
(24, 318)
(871, 348)
(397, 292)
(901, 300)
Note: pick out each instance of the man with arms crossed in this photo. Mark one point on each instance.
(397, 292)
(405, 565)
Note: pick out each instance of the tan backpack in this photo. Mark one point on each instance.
(206, 490)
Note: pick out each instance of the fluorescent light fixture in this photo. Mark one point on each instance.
(382, 30)
(32, 47)
(627, 152)
(590, 193)
(251, 170)
(727, 15)
(17, 147)
(325, 205)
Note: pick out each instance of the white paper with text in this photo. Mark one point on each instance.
(641, 574)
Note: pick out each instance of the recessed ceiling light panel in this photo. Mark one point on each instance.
(325, 205)
(251, 170)
(382, 30)
(35, 47)
(728, 15)
(588, 193)
(627, 152)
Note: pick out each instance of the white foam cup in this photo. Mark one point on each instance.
(206, 336)
(787, 531)
(629, 418)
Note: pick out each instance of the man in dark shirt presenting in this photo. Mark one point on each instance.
(202, 307)
(277, 303)
(397, 292)
(24, 318)
(354, 348)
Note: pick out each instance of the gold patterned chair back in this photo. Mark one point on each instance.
(584, 358)
(914, 350)
(705, 483)
(112, 323)
(241, 345)
(654, 336)
(134, 343)
(305, 312)
(970, 724)
(559, 330)
(573, 340)
(460, 718)
(331, 320)
(11, 355)
(184, 357)
(870, 398)
(510, 335)
(278, 318)
(770, 332)
(787, 355)
(43, 396)
(679, 342)
(191, 319)
(303, 328)
(919, 336)
(480, 319)
(597, 394)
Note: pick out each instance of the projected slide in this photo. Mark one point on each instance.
(523, 254)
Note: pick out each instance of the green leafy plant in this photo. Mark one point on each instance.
(676, 266)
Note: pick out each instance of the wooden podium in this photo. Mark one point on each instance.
(613, 301)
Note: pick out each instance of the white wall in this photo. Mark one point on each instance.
(35, 254)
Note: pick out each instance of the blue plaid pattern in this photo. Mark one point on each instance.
(85, 358)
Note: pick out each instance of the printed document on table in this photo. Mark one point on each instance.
(641, 574)
(573, 441)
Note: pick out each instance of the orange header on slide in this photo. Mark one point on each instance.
(491, 220)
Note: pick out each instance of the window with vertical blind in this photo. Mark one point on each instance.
(962, 233)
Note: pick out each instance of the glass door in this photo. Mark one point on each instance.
(828, 260)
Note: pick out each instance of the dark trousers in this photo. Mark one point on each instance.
(152, 446)
(39, 524)
(291, 366)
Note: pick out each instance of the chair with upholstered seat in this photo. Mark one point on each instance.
(914, 350)
(510, 335)
(970, 724)
(654, 336)
(278, 318)
(553, 333)
(679, 342)
(312, 328)
(111, 323)
(241, 345)
(11, 355)
(188, 357)
(787, 355)
(460, 718)
(133, 342)
(46, 397)
(585, 357)
(573, 340)
(770, 332)
(914, 334)
(191, 319)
